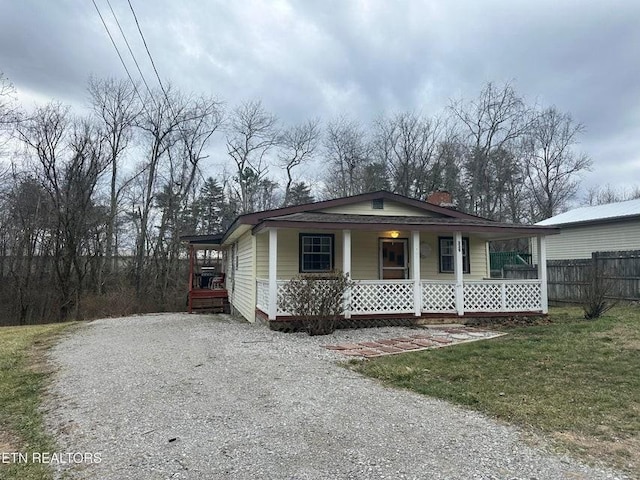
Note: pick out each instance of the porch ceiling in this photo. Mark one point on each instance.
(329, 221)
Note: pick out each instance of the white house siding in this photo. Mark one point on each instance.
(243, 293)
(390, 208)
(364, 255)
(262, 254)
(581, 241)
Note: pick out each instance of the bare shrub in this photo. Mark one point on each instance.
(317, 299)
(123, 301)
(596, 294)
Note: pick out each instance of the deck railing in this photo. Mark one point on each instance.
(383, 297)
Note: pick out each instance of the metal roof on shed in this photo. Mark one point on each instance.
(608, 211)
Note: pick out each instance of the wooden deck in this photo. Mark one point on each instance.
(210, 300)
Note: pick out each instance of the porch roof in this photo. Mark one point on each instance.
(203, 242)
(335, 221)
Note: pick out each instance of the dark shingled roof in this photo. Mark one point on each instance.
(372, 222)
(382, 219)
(435, 219)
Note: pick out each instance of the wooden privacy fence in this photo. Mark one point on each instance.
(567, 278)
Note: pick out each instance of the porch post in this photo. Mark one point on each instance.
(273, 270)
(190, 278)
(542, 273)
(415, 270)
(458, 270)
(346, 268)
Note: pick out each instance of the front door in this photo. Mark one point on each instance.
(393, 258)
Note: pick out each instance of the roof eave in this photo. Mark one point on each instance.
(507, 230)
(595, 221)
(256, 217)
(212, 239)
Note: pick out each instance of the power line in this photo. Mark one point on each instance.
(144, 80)
(135, 88)
(150, 57)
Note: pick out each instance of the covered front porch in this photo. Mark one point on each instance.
(441, 273)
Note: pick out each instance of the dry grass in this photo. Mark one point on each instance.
(23, 376)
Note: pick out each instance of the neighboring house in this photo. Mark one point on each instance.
(408, 258)
(610, 227)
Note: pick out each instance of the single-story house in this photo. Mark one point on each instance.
(610, 227)
(408, 258)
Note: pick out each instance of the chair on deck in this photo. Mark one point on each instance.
(217, 282)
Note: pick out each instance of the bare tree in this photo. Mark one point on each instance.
(450, 156)
(491, 127)
(9, 111)
(25, 233)
(203, 118)
(70, 162)
(251, 134)
(600, 195)
(348, 153)
(10, 115)
(553, 165)
(297, 146)
(407, 144)
(159, 125)
(176, 130)
(375, 178)
(116, 107)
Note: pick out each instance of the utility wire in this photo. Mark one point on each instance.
(144, 80)
(150, 57)
(135, 88)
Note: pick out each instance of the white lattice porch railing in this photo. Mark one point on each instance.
(503, 296)
(282, 309)
(370, 297)
(523, 296)
(438, 296)
(262, 294)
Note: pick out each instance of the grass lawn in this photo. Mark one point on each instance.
(23, 376)
(577, 381)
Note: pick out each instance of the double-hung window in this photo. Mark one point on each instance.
(316, 252)
(447, 246)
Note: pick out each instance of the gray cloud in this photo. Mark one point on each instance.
(319, 59)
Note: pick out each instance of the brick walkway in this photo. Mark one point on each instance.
(430, 338)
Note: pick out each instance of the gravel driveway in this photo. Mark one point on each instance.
(176, 396)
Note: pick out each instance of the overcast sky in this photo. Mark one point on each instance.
(320, 58)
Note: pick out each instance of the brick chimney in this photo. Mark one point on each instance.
(442, 198)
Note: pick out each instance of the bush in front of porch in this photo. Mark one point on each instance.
(317, 299)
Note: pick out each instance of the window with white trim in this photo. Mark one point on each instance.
(447, 246)
(316, 252)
